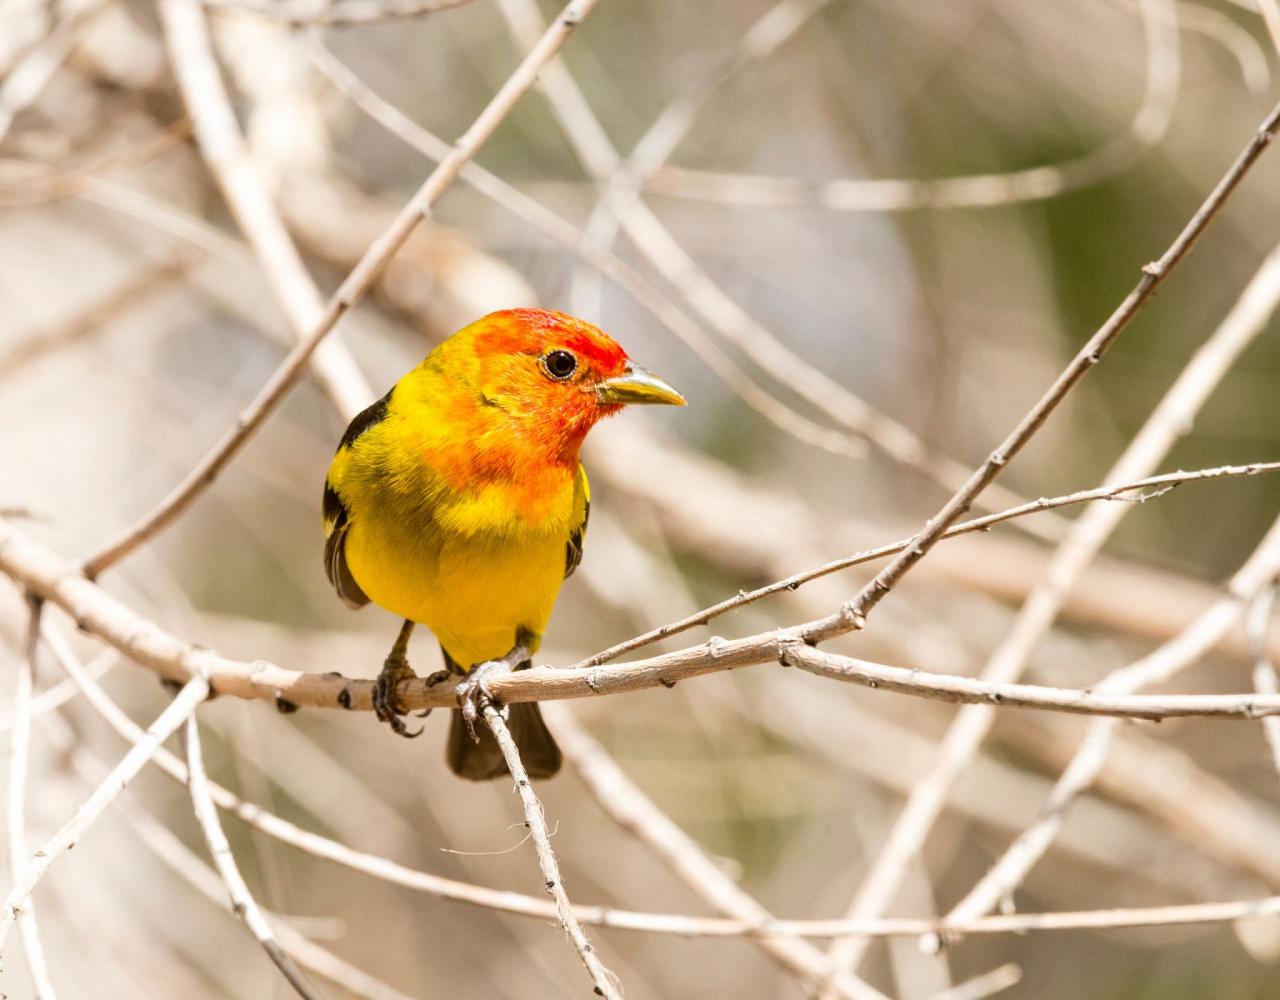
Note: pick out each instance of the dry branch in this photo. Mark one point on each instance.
(177, 856)
(16, 801)
(336, 12)
(853, 615)
(1146, 129)
(536, 820)
(1156, 484)
(631, 809)
(187, 700)
(1195, 641)
(242, 902)
(223, 149)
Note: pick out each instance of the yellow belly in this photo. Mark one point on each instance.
(474, 594)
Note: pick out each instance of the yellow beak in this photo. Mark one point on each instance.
(636, 385)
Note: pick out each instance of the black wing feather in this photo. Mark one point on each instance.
(338, 519)
(335, 551)
(573, 549)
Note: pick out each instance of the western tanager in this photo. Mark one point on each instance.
(458, 501)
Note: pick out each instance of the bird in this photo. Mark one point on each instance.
(458, 501)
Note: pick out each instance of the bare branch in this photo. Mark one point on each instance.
(631, 809)
(1146, 129)
(59, 694)
(336, 12)
(966, 690)
(183, 862)
(143, 641)
(536, 821)
(192, 694)
(98, 315)
(853, 614)
(16, 802)
(1157, 484)
(176, 855)
(1191, 645)
(1264, 670)
(223, 148)
(242, 902)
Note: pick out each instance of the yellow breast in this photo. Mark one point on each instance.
(473, 590)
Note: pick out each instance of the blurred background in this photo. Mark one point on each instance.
(861, 237)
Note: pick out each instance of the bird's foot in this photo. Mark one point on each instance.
(431, 680)
(386, 697)
(473, 693)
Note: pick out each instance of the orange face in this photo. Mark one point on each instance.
(551, 376)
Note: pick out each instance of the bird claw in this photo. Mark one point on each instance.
(474, 693)
(386, 698)
(430, 681)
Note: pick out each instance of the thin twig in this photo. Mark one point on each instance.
(1264, 668)
(1147, 127)
(352, 289)
(99, 315)
(223, 148)
(336, 12)
(536, 821)
(791, 583)
(631, 809)
(184, 862)
(968, 690)
(184, 703)
(24, 82)
(242, 902)
(853, 614)
(1157, 667)
(998, 980)
(151, 647)
(16, 801)
(181, 859)
(59, 694)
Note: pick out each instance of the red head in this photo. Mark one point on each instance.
(544, 377)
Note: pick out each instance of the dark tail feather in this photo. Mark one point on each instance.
(483, 761)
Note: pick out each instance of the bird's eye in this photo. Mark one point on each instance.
(559, 364)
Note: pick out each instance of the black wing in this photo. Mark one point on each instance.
(337, 519)
(336, 523)
(574, 547)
